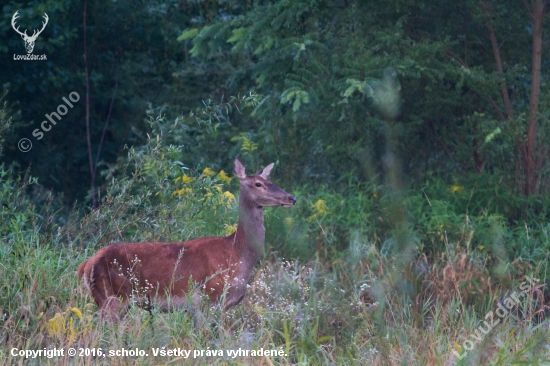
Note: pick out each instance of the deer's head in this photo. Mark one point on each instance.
(29, 40)
(258, 189)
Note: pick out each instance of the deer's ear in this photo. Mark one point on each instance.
(264, 173)
(238, 168)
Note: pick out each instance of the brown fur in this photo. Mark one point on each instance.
(160, 273)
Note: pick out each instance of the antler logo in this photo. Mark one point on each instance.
(29, 40)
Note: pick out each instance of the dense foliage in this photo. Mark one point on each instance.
(413, 134)
(337, 80)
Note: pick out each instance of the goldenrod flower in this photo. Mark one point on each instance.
(207, 172)
(229, 229)
(229, 195)
(319, 209)
(457, 189)
(227, 199)
(185, 179)
(56, 325)
(222, 175)
(76, 311)
(71, 332)
(182, 191)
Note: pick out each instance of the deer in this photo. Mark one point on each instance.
(163, 272)
(29, 40)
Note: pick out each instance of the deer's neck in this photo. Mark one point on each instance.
(250, 235)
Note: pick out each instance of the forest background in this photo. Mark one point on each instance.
(414, 134)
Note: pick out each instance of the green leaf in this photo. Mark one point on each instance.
(237, 34)
(356, 85)
(323, 339)
(299, 96)
(188, 33)
(492, 134)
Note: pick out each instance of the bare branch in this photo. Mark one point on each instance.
(498, 60)
(499, 112)
(105, 127)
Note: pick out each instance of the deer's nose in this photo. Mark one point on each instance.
(292, 199)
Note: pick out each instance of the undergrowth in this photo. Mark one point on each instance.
(334, 287)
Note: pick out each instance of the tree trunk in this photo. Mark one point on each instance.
(531, 165)
(88, 135)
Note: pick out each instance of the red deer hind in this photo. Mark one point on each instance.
(162, 272)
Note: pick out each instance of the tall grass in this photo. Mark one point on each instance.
(336, 307)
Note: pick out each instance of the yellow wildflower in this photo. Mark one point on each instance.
(457, 189)
(71, 332)
(230, 229)
(229, 195)
(227, 199)
(207, 172)
(222, 175)
(185, 179)
(76, 311)
(56, 325)
(182, 191)
(319, 209)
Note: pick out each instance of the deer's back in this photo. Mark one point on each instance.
(155, 268)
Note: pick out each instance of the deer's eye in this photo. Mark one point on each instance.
(258, 184)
